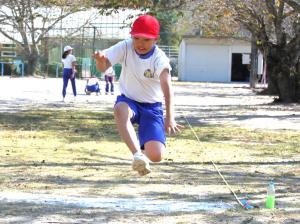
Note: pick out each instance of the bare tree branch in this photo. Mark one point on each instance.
(295, 4)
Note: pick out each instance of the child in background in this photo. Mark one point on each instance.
(109, 79)
(145, 82)
(69, 62)
(92, 86)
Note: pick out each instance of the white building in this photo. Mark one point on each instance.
(214, 59)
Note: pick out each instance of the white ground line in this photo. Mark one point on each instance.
(118, 204)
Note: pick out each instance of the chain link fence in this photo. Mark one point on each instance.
(84, 40)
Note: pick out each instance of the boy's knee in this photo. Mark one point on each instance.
(155, 158)
(154, 151)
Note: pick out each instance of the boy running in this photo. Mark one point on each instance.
(144, 82)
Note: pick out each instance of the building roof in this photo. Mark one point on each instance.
(214, 40)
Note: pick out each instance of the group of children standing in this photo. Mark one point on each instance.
(92, 85)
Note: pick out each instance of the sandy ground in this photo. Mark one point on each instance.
(202, 103)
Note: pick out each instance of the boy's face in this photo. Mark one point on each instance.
(143, 45)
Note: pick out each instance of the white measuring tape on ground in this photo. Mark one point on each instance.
(215, 166)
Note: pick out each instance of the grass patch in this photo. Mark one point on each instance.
(232, 138)
(47, 149)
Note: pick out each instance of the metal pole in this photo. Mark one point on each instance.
(56, 70)
(22, 70)
(82, 42)
(61, 39)
(94, 37)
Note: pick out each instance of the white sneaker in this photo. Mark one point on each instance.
(140, 164)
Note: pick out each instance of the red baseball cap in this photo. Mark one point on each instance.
(145, 26)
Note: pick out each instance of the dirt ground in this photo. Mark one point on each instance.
(206, 102)
(201, 104)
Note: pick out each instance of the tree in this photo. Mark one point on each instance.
(168, 13)
(274, 24)
(277, 30)
(152, 5)
(32, 20)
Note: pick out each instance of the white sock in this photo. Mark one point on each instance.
(139, 152)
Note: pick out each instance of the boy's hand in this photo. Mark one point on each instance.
(102, 62)
(99, 56)
(171, 126)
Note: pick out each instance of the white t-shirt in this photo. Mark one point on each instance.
(92, 81)
(68, 61)
(110, 71)
(139, 79)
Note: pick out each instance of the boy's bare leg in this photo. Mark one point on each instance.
(126, 130)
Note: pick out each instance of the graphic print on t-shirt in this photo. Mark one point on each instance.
(148, 74)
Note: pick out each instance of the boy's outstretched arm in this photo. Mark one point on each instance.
(171, 127)
(102, 63)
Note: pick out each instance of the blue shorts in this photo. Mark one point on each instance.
(149, 117)
(93, 88)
